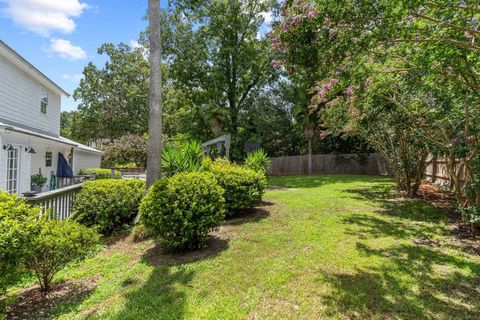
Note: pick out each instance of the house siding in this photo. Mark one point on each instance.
(84, 160)
(30, 164)
(20, 100)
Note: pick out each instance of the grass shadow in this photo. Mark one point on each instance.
(419, 277)
(160, 297)
(158, 255)
(394, 204)
(249, 216)
(408, 286)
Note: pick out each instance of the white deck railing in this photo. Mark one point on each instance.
(58, 203)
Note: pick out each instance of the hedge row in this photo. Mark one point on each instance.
(183, 209)
(101, 173)
(108, 204)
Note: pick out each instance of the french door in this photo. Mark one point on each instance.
(13, 170)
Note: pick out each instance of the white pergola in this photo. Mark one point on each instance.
(220, 143)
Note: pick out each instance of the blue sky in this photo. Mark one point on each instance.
(60, 37)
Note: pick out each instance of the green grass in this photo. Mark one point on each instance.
(328, 247)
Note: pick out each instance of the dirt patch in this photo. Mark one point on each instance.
(463, 237)
(34, 304)
(426, 242)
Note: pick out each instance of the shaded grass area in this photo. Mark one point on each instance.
(330, 246)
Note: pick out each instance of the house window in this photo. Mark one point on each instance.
(43, 101)
(48, 159)
(13, 161)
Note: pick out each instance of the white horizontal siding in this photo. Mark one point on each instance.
(20, 100)
(84, 160)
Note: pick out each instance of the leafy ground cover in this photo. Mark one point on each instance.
(330, 246)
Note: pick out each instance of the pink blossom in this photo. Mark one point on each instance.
(334, 81)
(297, 20)
(312, 13)
(349, 91)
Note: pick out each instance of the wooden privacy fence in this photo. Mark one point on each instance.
(371, 164)
(59, 202)
(437, 172)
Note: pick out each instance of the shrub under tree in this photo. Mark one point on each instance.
(183, 209)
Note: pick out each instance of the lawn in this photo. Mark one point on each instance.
(329, 247)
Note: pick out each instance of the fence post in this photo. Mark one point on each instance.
(434, 169)
(113, 173)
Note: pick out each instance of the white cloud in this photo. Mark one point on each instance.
(268, 17)
(65, 49)
(134, 44)
(45, 16)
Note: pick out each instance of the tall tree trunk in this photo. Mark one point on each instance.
(155, 102)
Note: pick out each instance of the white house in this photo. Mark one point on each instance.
(30, 140)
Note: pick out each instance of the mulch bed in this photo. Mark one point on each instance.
(34, 304)
(432, 194)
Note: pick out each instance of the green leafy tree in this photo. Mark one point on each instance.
(113, 99)
(215, 55)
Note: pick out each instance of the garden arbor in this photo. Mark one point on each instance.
(219, 143)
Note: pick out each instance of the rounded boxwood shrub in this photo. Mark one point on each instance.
(19, 225)
(243, 187)
(59, 244)
(101, 173)
(183, 209)
(108, 204)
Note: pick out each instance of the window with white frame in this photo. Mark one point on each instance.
(43, 101)
(13, 162)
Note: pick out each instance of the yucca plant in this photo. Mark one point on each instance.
(257, 161)
(186, 157)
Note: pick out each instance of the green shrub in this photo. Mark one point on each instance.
(183, 209)
(101, 173)
(108, 204)
(57, 245)
(243, 187)
(257, 161)
(19, 224)
(186, 157)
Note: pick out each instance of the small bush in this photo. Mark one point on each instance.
(20, 223)
(100, 173)
(59, 244)
(257, 161)
(243, 187)
(183, 209)
(108, 204)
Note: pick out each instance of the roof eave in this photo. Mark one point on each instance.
(32, 70)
